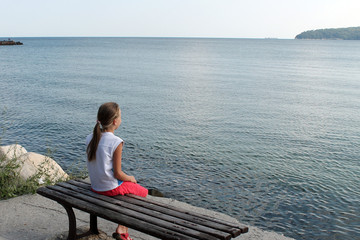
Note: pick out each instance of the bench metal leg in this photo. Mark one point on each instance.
(93, 224)
(72, 222)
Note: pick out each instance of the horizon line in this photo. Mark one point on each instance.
(147, 37)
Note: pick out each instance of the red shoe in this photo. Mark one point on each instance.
(123, 236)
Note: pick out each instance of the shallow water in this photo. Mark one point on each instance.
(266, 131)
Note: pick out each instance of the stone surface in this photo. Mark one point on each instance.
(47, 165)
(101, 236)
(12, 151)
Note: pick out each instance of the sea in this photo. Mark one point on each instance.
(264, 130)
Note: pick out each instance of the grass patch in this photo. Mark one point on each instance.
(11, 184)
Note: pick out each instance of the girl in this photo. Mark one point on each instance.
(104, 151)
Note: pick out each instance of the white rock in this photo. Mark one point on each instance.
(46, 165)
(31, 163)
(14, 154)
(12, 151)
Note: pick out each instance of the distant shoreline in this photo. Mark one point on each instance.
(351, 33)
(9, 42)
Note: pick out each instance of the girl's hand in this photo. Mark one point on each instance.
(132, 179)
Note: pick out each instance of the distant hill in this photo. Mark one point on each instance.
(351, 33)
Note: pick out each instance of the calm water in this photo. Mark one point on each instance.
(267, 131)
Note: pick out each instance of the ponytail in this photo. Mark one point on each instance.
(92, 147)
(106, 114)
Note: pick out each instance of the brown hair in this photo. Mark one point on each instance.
(106, 114)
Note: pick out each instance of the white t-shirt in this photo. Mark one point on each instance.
(101, 169)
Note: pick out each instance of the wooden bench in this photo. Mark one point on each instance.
(142, 214)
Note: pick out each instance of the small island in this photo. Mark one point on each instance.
(351, 33)
(10, 42)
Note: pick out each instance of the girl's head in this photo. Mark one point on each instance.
(108, 119)
(108, 115)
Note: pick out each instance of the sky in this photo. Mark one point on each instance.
(174, 18)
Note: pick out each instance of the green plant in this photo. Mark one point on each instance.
(77, 170)
(11, 184)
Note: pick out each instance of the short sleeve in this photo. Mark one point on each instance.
(117, 142)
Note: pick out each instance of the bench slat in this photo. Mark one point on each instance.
(233, 229)
(125, 220)
(143, 210)
(195, 214)
(183, 215)
(137, 215)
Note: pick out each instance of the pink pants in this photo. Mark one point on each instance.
(126, 188)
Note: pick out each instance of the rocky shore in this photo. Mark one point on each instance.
(10, 42)
(31, 164)
(37, 218)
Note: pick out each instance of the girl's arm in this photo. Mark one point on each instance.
(118, 173)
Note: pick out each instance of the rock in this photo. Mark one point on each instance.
(155, 192)
(47, 166)
(15, 154)
(30, 164)
(12, 151)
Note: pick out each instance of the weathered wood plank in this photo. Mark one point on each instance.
(195, 214)
(144, 217)
(150, 212)
(183, 214)
(110, 215)
(220, 221)
(180, 214)
(233, 229)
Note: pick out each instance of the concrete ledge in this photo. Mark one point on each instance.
(37, 218)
